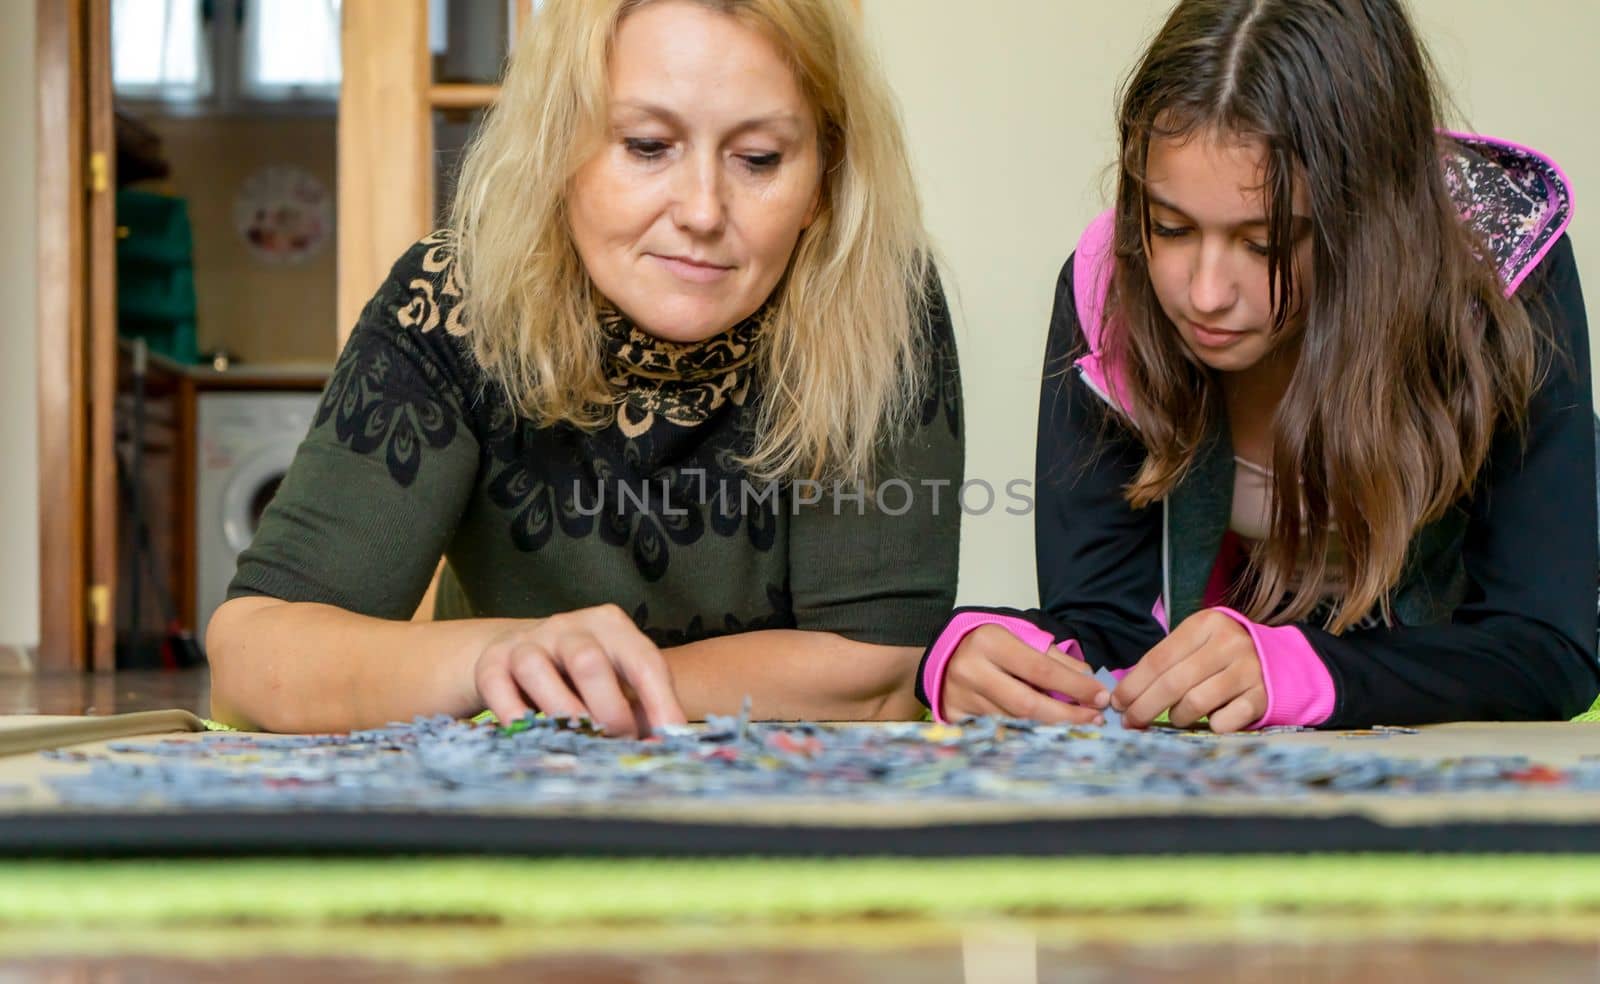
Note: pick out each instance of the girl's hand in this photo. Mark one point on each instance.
(593, 663)
(1207, 668)
(994, 672)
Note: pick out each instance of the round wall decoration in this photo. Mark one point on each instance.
(284, 214)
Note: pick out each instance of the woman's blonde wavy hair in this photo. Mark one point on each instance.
(843, 357)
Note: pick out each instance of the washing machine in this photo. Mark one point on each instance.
(244, 442)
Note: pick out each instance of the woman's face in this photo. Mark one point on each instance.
(686, 216)
(1207, 249)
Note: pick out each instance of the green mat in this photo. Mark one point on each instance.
(533, 892)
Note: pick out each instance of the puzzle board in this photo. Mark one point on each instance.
(732, 787)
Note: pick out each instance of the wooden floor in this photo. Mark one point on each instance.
(1158, 948)
(105, 693)
(955, 960)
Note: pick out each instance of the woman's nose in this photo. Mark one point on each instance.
(699, 207)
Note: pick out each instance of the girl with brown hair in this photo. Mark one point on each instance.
(1319, 382)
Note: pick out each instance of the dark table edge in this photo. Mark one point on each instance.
(239, 834)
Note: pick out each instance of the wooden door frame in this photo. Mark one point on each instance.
(76, 335)
(385, 157)
(61, 333)
(101, 330)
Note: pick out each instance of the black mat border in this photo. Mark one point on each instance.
(358, 834)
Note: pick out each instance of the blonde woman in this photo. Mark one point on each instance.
(675, 397)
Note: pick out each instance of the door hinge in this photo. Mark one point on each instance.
(99, 172)
(100, 605)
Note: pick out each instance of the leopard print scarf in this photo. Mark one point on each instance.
(683, 384)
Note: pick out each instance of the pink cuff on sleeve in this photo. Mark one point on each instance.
(963, 625)
(1300, 689)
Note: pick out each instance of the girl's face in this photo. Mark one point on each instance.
(686, 216)
(1207, 250)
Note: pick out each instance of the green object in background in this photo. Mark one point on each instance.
(155, 294)
(155, 273)
(159, 234)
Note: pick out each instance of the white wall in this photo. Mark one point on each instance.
(1010, 106)
(19, 445)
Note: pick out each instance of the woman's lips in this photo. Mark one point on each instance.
(1209, 337)
(691, 270)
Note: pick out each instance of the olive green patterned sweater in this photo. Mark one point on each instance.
(414, 455)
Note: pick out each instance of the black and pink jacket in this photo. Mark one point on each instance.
(1495, 614)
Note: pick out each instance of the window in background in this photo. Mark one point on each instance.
(290, 49)
(160, 49)
(205, 56)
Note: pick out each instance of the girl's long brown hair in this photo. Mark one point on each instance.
(1411, 356)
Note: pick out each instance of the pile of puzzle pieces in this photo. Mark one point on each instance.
(443, 763)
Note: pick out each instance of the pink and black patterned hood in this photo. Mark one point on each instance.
(1517, 200)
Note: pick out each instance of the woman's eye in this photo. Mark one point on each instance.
(1168, 232)
(761, 162)
(645, 148)
(1260, 249)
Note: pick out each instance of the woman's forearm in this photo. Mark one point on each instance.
(796, 675)
(301, 667)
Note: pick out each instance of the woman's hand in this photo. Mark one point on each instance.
(994, 672)
(1207, 668)
(593, 663)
